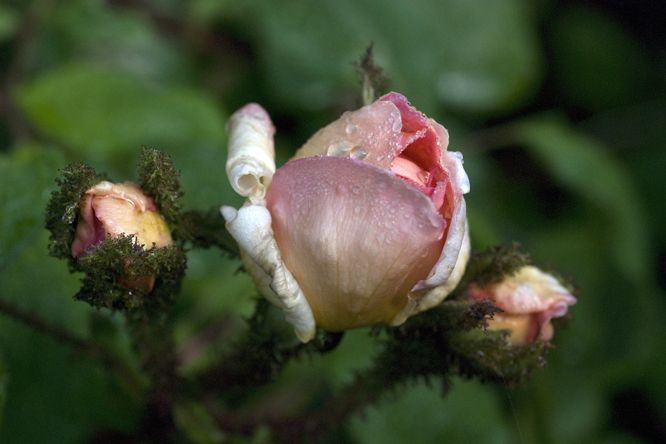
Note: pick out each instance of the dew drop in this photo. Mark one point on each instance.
(423, 176)
(350, 129)
(357, 209)
(339, 148)
(356, 189)
(397, 125)
(358, 153)
(347, 115)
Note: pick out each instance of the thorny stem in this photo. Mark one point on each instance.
(366, 389)
(153, 338)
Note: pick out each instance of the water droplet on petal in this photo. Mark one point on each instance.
(347, 115)
(350, 129)
(358, 153)
(339, 148)
(356, 189)
(397, 125)
(357, 209)
(423, 176)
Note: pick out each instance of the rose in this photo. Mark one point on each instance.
(112, 209)
(365, 225)
(530, 298)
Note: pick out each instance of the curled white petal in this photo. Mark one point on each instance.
(251, 227)
(251, 157)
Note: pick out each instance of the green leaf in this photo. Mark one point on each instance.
(4, 377)
(113, 37)
(102, 112)
(475, 56)
(26, 179)
(470, 413)
(55, 395)
(582, 165)
(9, 21)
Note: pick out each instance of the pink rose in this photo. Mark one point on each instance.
(368, 220)
(530, 299)
(112, 209)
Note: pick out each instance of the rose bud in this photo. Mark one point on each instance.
(530, 298)
(112, 209)
(365, 225)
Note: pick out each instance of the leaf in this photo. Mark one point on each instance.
(55, 395)
(26, 179)
(470, 413)
(581, 165)
(102, 112)
(112, 36)
(3, 387)
(9, 21)
(474, 56)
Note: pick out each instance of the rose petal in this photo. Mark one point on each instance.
(251, 158)
(431, 297)
(351, 234)
(119, 208)
(251, 227)
(373, 129)
(524, 327)
(531, 290)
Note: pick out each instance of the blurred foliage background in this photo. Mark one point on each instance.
(559, 108)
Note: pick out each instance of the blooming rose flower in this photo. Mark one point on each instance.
(365, 225)
(112, 209)
(530, 299)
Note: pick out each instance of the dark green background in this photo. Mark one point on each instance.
(559, 108)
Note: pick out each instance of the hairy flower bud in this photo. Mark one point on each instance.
(530, 298)
(365, 225)
(111, 209)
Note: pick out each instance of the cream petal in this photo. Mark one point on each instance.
(119, 208)
(251, 227)
(350, 233)
(251, 157)
(531, 290)
(128, 191)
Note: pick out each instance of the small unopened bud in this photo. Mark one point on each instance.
(111, 209)
(530, 298)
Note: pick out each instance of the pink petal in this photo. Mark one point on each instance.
(373, 130)
(355, 237)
